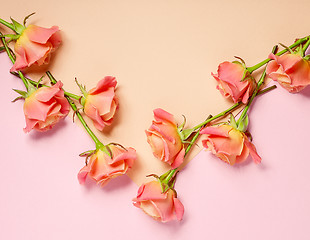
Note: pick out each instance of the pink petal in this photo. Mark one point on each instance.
(93, 114)
(44, 94)
(83, 174)
(179, 209)
(179, 159)
(214, 131)
(151, 191)
(257, 159)
(102, 101)
(129, 155)
(103, 85)
(165, 207)
(39, 34)
(161, 115)
(30, 124)
(231, 73)
(21, 60)
(36, 53)
(34, 109)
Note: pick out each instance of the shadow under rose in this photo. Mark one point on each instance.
(36, 135)
(113, 185)
(306, 92)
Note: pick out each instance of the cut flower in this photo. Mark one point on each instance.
(229, 144)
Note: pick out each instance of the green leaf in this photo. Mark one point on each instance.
(180, 128)
(26, 18)
(243, 124)
(12, 36)
(307, 57)
(22, 93)
(18, 98)
(287, 48)
(233, 122)
(86, 153)
(19, 28)
(186, 133)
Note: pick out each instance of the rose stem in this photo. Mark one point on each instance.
(73, 106)
(260, 82)
(9, 25)
(306, 46)
(21, 75)
(262, 63)
(71, 95)
(80, 117)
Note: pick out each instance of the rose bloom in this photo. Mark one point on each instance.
(231, 82)
(45, 107)
(101, 104)
(102, 168)
(163, 207)
(35, 45)
(291, 71)
(164, 139)
(229, 144)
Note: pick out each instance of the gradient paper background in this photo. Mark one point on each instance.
(162, 53)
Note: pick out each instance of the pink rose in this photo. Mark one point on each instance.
(234, 81)
(35, 45)
(101, 104)
(102, 168)
(163, 207)
(291, 71)
(45, 107)
(165, 140)
(229, 144)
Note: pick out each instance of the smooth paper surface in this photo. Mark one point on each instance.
(162, 54)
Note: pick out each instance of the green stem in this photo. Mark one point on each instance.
(188, 148)
(170, 175)
(306, 46)
(71, 95)
(218, 115)
(21, 75)
(232, 108)
(7, 24)
(78, 114)
(259, 84)
(266, 90)
(262, 63)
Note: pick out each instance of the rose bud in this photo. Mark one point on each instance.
(234, 81)
(44, 107)
(229, 144)
(35, 45)
(165, 140)
(101, 167)
(291, 71)
(163, 207)
(100, 103)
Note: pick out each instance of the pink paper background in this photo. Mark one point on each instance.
(41, 197)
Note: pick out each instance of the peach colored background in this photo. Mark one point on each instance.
(162, 53)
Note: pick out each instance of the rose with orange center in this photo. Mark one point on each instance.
(165, 140)
(45, 107)
(234, 81)
(291, 71)
(35, 45)
(229, 144)
(100, 103)
(102, 168)
(163, 207)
